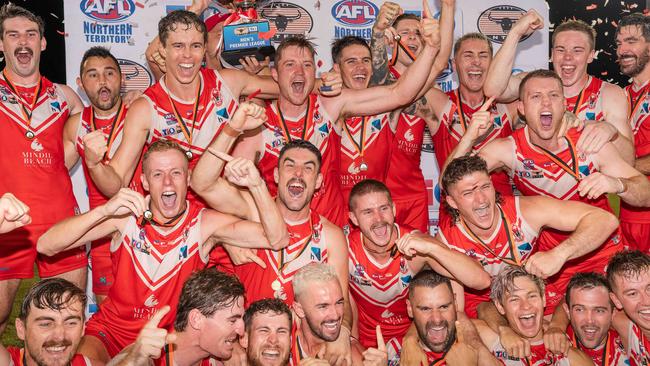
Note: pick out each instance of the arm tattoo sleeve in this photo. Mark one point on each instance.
(379, 59)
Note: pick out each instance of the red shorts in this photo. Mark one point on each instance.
(413, 213)
(637, 235)
(113, 340)
(102, 266)
(18, 255)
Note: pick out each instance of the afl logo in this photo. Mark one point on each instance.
(108, 11)
(496, 22)
(355, 12)
(287, 19)
(136, 76)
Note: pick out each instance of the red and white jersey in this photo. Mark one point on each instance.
(557, 175)
(612, 353)
(167, 359)
(216, 104)
(375, 139)
(155, 264)
(307, 244)
(34, 168)
(588, 104)
(17, 357)
(315, 126)
(113, 127)
(512, 242)
(453, 124)
(639, 100)
(638, 346)
(539, 356)
(405, 179)
(379, 290)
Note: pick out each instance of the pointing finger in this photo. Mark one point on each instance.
(487, 104)
(381, 345)
(157, 317)
(426, 11)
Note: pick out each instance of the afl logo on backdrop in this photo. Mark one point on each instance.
(355, 12)
(109, 11)
(136, 76)
(287, 19)
(496, 22)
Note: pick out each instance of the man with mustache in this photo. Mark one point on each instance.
(51, 324)
(99, 125)
(207, 325)
(590, 310)
(628, 274)
(158, 241)
(267, 338)
(34, 111)
(519, 297)
(383, 258)
(587, 97)
(633, 51)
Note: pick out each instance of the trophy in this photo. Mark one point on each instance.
(245, 34)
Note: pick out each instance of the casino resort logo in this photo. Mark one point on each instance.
(287, 19)
(107, 21)
(136, 76)
(496, 22)
(354, 18)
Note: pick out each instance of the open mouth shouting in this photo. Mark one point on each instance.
(528, 324)
(24, 55)
(168, 199)
(296, 187)
(546, 120)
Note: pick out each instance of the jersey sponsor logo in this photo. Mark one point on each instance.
(286, 19)
(136, 76)
(182, 252)
(151, 301)
(355, 12)
(170, 119)
(408, 135)
(497, 21)
(529, 164)
(109, 11)
(36, 145)
(170, 131)
(533, 174)
(55, 106)
(386, 314)
(584, 171)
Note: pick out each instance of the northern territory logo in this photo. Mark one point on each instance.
(107, 11)
(496, 22)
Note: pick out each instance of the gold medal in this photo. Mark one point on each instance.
(29, 134)
(363, 166)
(276, 285)
(189, 155)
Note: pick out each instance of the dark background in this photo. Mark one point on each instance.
(595, 12)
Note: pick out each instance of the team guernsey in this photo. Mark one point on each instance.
(638, 346)
(406, 181)
(612, 353)
(167, 358)
(316, 127)
(155, 264)
(193, 125)
(538, 171)
(540, 356)
(635, 221)
(588, 104)
(307, 244)
(512, 242)
(365, 150)
(455, 118)
(379, 289)
(112, 126)
(33, 159)
(17, 358)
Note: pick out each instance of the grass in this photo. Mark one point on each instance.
(9, 337)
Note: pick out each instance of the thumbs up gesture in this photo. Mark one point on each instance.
(462, 352)
(376, 356)
(151, 339)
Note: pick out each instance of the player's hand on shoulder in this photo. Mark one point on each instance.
(125, 202)
(596, 184)
(595, 135)
(514, 345)
(556, 341)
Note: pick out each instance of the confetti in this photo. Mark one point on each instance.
(139, 5)
(591, 7)
(54, 15)
(62, 33)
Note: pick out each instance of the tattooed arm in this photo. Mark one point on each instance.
(387, 14)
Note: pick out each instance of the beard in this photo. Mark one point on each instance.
(439, 347)
(641, 62)
(39, 358)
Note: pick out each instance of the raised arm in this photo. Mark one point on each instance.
(387, 14)
(499, 81)
(616, 110)
(97, 223)
(590, 227)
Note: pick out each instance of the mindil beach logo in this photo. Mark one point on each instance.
(355, 12)
(108, 11)
(496, 22)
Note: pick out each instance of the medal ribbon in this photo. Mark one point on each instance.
(606, 349)
(579, 101)
(282, 263)
(362, 136)
(514, 254)
(406, 50)
(27, 114)
(169, 355)
(186, 131)
(308, 119)
(114, 122)
(169, 223)
(572, 170)
(634, 105)
(461, 112)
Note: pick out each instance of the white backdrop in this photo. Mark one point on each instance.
(126, 27)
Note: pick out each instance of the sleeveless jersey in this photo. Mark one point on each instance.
(34, 169)
(539, 356)
(612, 353)
(114, 133)
(537, 173)
(405, 179)
(375, 140)
(155, 265)
(588, 104)
(216, 104)
(640, 102)
(319, 130)
(17, 356)
(167, 359)
(638, 347)
(512, 242)
(307, 244)
(379, 290)
(452, 128)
